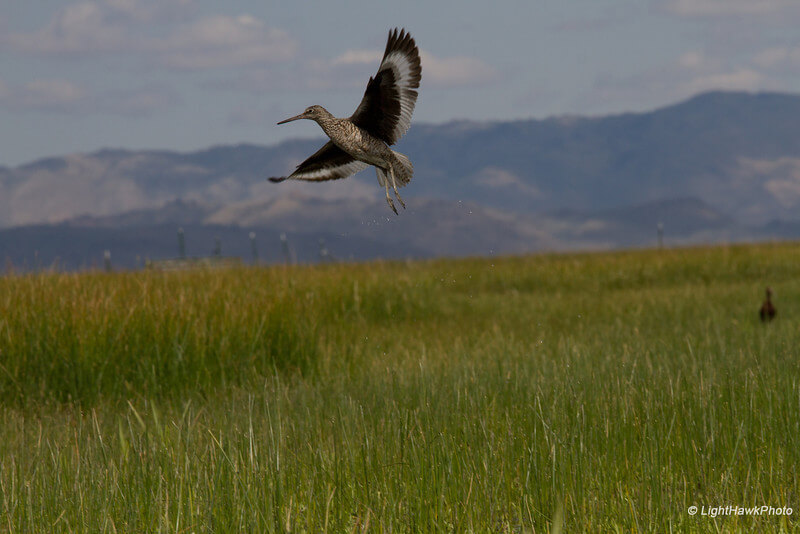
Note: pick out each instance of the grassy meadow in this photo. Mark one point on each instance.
(578, 392)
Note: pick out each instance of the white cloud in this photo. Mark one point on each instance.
(692, 60)
(779, 177)
(740, 79)
(77, 29)
(222, 41)
(358, 57)
(46, 94)
(766, 69)
(705, 8)
(142, 30)
(91, 28)
(149, 10)
(351, 71)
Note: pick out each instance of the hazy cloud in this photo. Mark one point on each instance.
(610, 17)
(695, 72)
(692, 60)
(740, 79)
(691, 73)
(351, 70)
(779, 177)
(222, 41)
(497, 178)
(64, 96)
(92, 27)
(241, 115)
(458, 70)
(140, 30)
(142, 101)
(150, 10)
(778, 58)
(82, 28)
(436, 71)
(44, 94)
(131, 27)
(358, 57)
(706, 8)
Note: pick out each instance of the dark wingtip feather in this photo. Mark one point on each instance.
(277, 179)
(388, 100)
(399, 39)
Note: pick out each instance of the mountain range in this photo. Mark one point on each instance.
(721, 166)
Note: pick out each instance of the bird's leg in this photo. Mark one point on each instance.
(394, 186)
(388, 198)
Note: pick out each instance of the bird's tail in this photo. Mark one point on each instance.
(403, 170)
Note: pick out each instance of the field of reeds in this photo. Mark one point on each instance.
(581, 392)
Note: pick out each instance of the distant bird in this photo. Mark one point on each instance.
(380, 120)
(767, 312)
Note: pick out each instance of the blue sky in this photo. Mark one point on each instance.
(187, 74)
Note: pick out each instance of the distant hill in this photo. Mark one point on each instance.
(358, 230)
(718, 166)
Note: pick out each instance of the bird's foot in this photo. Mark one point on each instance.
(394, 186)
(391, 205)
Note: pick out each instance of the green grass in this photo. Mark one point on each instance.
(593, 392)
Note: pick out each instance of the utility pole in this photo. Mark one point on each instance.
(253, 246)
(660, 231)
(181, 244)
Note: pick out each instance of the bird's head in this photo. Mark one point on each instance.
(311, 112)
(769, 292)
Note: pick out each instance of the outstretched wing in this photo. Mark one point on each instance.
(385, 111)
(328, 163)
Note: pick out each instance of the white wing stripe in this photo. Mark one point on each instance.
(340, 171)
(401, 65)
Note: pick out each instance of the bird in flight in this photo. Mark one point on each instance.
(380, 120)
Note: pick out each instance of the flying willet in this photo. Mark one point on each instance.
(380, 120)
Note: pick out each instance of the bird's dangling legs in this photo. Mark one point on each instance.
(394, 186)
(388, 198)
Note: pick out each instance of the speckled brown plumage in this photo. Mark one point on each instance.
(381, 119)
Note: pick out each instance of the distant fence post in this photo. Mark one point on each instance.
(285, 246)
(253, 246)
(107, 260)
(660, 231)
(217, 247)
(181, 244)
(323, 250)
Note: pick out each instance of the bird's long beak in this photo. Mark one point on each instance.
(296, 117)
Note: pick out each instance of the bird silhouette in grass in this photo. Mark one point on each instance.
(767, 311)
